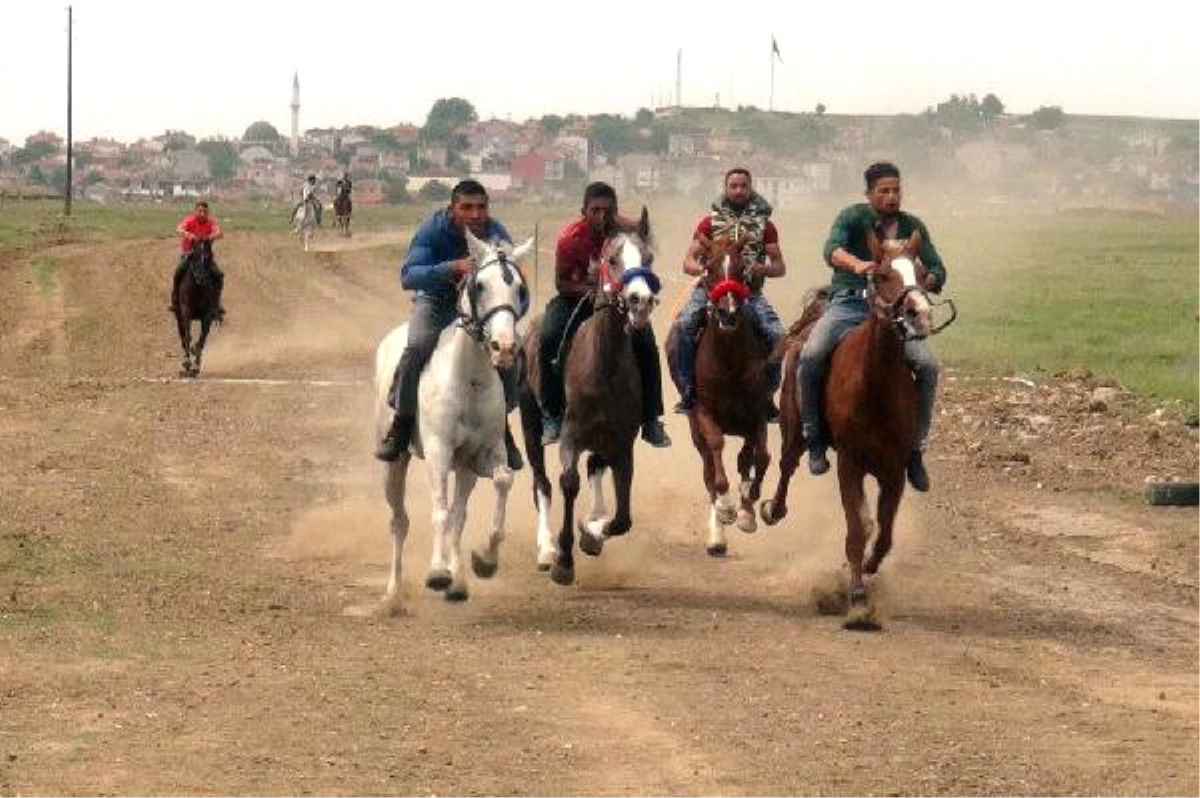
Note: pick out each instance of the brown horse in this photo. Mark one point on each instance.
(732, 395)
(604, 403)
(342, 207)
(870, 406)
(199, 301)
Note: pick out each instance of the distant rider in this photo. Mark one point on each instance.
(197, 225)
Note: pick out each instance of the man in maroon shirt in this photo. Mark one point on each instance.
(578, 246)
(199, 224)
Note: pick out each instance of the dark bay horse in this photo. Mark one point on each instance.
(732, 395)
(870, 406)
(199, 301)
(604, 401)
(341, 210)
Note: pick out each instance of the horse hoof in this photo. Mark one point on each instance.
(861, 619)
(456, 595)
(746, 522)
(590, 544)
(562, 575)
(717, 550)
(619, 526)
(484, 569)
(766, 511)
(438, 580)
(726, 515)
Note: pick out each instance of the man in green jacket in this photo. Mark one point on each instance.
(847, 251)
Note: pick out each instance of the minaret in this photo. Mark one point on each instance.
(295, 114)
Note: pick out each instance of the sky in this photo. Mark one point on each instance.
(141, 67)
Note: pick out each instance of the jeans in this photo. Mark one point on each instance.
(425, 326)
(844, 313)
(766, 323)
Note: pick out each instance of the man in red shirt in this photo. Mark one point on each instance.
(578, 246)
(739, 211)
(199, 224)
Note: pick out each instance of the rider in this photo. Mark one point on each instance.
(438, 257)
(578, 247)
(343, 185)
(740, 210)
(847, 251)
(198, 224)
(308, 193)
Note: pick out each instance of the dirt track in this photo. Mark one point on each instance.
(187, 573)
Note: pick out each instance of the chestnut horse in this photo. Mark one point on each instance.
(870, 406)
(198, 302)
(731, 391)
(604, 402)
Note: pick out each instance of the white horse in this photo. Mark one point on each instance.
(304, 221)
(461, 416)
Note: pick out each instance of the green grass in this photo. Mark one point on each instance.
(45, 274)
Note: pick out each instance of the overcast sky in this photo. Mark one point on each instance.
(213, 67)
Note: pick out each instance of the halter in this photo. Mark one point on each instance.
(476, 325)
(895, 308)
(614, 287)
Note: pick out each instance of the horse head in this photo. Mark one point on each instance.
(494, 296)
(624, 273)
(727, 278)
(898, 286)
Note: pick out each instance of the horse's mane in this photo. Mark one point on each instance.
(812, 304)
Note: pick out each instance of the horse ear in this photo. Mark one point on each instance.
(643, 228)
(477, 248)
(522, 250)
(914, 244)
(874, 244)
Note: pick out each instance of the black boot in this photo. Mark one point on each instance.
(687, 402)
(515, 461)
(397, 440)
(818, 462)
(655, 434)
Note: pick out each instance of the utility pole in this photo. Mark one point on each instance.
(70, 154)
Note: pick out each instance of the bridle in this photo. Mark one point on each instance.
(893, 311)
(610, 289)
(472, 322)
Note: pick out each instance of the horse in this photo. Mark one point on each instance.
(461, 417)
(870, 407)
(341, 209)
(304, 221)
(198, 301)
(732, 395)
(604, 401)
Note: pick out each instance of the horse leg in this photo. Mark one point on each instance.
(860, 616)
(464, 483)
(622, 469)
(198, 347)
(710, 442)
(890, 491)
(185, 343)
(563, 571)
(438, 463)
(753, 460)
(773, 510)
(485, 563)
(394, 479)
(535, 453)
(593, 531)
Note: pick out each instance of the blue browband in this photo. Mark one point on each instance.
(646, 274)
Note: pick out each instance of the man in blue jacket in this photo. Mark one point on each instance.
(437, 259)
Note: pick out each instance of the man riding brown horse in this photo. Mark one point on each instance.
(848, 252)
(200, 225)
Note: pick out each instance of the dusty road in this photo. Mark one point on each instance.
(187, 571)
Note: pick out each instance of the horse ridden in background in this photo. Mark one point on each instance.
(870, 406)
(732, 393)
(304, 221)
(461, 417)
(199, 301)
(341, 210)
(604, 402)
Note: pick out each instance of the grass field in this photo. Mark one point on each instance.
(1037, 292)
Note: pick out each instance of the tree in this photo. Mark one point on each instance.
(990, 108)
(820, 109)
(1048, 117)
(32, 152)
(446, 117)
(613, 134)
(551, 124)
(434, 191)
(175, 140)
(222, 158)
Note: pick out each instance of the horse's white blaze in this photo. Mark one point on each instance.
(907, 269)
(461, 421)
